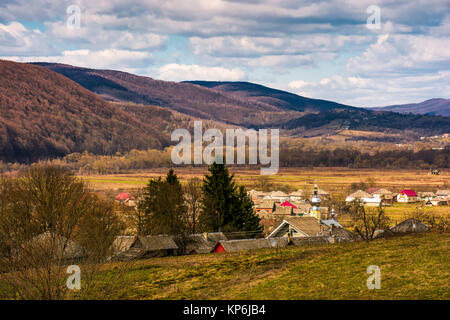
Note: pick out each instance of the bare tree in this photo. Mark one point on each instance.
(367, 221)
(193, 195)
(49, 219)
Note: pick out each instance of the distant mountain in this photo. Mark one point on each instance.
(436, 106)
(281, 99)
(44, 114)
(186, 98)
(243, 103)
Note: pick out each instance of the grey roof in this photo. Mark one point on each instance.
(340, 234)
(410, 225)
(204, 243)
(309, 226)
(154, 243)
(123, 243)
(330, 222)
(266, 204)
(301, 241)
(56, 244)
(251, 244)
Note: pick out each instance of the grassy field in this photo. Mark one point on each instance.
(330, 179)
(412, 267)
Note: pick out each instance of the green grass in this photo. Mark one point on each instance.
(412, 267)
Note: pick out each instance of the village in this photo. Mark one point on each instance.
(296, 218)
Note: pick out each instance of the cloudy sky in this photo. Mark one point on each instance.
(322, 49)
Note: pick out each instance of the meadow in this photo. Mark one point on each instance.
(412, 267)
(329, 179)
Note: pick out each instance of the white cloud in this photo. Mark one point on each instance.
(108, 58)
(180, 72)
(16, 39)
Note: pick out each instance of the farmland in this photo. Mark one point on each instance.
(330, 179)
(412, 267)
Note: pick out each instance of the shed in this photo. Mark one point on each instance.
(204, 242)
(410, 226)
(297, 227)
(250, 244)
(160, 245)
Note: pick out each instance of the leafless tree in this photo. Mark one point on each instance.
(366, 221)
(193, 196)
(50, 219)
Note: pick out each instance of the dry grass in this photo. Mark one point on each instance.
(412, 267)
(330, 179)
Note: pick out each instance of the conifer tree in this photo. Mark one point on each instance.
(226, 207)
(163, 208)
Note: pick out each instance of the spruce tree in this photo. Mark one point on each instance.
(163, 208)
(226, 207)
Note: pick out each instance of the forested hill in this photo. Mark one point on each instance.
(44, 114)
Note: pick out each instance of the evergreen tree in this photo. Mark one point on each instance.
(226, 207)
(163, 210)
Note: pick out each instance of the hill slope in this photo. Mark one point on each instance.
(44, 114)
(246, 104)
(278, 98)
(335, 271)
(186, 98)
(433, 106)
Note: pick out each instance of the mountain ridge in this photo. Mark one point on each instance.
(435, 106)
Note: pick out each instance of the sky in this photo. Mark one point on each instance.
(361, 53)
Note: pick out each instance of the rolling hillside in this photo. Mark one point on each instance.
(433, 106)
(244, 104)
(186, 98)
(43, 114)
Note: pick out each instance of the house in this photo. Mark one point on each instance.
(123, 197)
(297, 227)
(338, 234)
(323, 194)
(249, 244)
(266, 205)
(256, 195)
(301, 241)
(410, 226)
(132, 247)
(372, 190)
(387, 197)
(372, 202)
(53, 245)
(439, 201)
(296, 195)
(123, 248)
(302, 209)
(162, 245)
(331, 222)
(204, 242)
(407, 196)
(443, 193)
(357, 195)
(279, 195)
(425, 196)
(283, 211)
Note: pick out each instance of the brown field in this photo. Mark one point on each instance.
(329, 179)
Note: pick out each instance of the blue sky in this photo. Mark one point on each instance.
(317, 49)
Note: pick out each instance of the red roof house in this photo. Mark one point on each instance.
(123, 196)
(409, 192)
(407, 195)
(288, 204)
